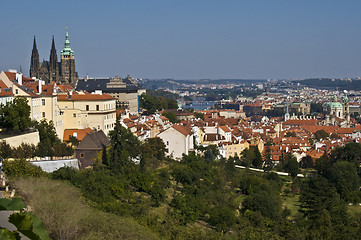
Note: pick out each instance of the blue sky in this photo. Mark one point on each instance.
(190, 39)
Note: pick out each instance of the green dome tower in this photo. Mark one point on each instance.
(67, 62)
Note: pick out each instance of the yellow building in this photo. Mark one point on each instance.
(232, 149)
(85, 110)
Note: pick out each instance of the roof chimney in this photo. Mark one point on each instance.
(19, 78)
(40, 86)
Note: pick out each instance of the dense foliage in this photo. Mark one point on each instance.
(154, 103)
(205, 197)
(15, 115)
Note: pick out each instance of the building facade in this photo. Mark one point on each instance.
(125, 91)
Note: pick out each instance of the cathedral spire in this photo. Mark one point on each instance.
(53, 63)
(34, 45)
(34, 63)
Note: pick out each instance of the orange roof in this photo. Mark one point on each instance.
(345, 130)
(12, 77)
(300, 122)
(313, 129)
(183, 130)
(65, 88)
(80, 133)
(4, 90)
(85, 97)
(225, 128)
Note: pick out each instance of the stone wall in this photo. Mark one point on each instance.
(29, 138)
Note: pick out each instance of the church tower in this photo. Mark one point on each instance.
(346, 108)
(34, 63)
(67, 64)
(53, 64)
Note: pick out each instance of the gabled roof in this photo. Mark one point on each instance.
(183, 130)
(80, 133)
(94, 141)
(12, 77)
(225, 128)
(4, 90)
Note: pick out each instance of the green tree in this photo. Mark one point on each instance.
(48, 139)
(251, 156)
(24, 151)
(268, 163)
(5, 150)
(346, 180)
(153, 153)
(124, 146)
(265, 199)
(317, 194)
(21, 168)
(73, 140)
(15, 115)
(291, 165)
(199, 115)
(171, 116)
(306, 162)
(321, 134)
(222, 217)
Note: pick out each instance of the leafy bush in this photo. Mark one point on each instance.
(21, 168)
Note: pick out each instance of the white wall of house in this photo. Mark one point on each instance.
(176, 142)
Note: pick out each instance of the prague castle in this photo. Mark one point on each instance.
(62, 72)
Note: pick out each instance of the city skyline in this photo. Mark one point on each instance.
(190, 40)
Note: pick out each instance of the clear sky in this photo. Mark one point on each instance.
(189, 39)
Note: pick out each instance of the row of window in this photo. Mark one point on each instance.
(106, 107)
(87, 108)
(109, 126)
(109, 116)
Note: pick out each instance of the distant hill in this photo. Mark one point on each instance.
(174, 84)
(328, 83)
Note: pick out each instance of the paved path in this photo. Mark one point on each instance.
(261, 170)
(4, 220)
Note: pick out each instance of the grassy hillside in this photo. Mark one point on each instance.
(60, 206)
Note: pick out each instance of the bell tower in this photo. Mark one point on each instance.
(68, 75)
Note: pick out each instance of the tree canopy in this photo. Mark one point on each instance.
(15, 115)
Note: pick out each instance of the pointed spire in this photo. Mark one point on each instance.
(34, 44)
(34, 63)
(53, 44)
(67, 50)
(53, 61)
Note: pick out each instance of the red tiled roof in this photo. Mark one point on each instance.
(299, 122)
(183, 130)
(12, 77)
(313, 129)
(4, 90)
(225, 128)
(81, 133)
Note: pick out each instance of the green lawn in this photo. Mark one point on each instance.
(291, 202)
(354, 209)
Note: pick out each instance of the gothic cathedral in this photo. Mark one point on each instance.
(62, 72)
